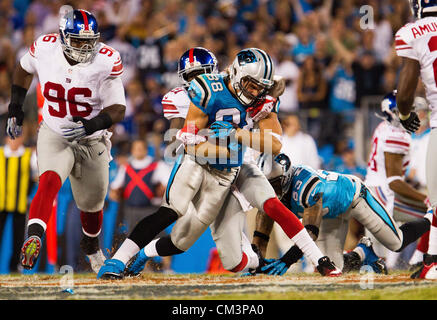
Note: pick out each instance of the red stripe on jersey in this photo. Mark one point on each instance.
(32, 50)
(171, 112)
(117, 68)
(404, 48)
(398, 142)
(116, 74)
(85, 19)
(400, 42)
(169, 107)
(406, 164)
(191, 56)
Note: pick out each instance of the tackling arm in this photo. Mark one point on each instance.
(196, 144)
(393, 165)
(267, 139)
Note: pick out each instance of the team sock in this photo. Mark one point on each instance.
(91, 223)
(432, 244)
(42, 204)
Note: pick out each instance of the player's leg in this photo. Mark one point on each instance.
(375, 218)
(89, 185)
(332, 237)
(184, 183)
(258, 191)
(55, 161)
(430, 259)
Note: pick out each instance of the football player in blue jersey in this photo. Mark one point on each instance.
(342, 197)
(220, 104)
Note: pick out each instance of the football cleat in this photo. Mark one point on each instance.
(97, 260)
(352, 262)
(137, 265)
(112, 269)
(30, 252)
(327, 268)
(378, 265)
(428, 269)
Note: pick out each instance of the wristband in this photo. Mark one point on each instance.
(18, 94)
(100, 122)
(402, 117)
(261, 235)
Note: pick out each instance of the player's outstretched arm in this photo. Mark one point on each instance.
(393, 165)
(267, 139)
(21, 81)
(408, 79)
(193, 136)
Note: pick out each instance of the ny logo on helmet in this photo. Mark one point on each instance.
(193, 63)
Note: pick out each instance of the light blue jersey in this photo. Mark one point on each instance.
(210, 94)
(306, 183)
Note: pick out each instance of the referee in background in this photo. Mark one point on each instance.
(17, 172)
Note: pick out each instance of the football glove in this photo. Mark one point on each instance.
(14, 126)
(73, 131)
(281, 265)
(412, 123)
(222, 130)
(262, 109)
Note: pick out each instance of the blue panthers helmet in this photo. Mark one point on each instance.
(420, 7)
(196, 61)
(276, 170)
(79, 35)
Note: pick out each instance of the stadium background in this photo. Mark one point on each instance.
(336, 74)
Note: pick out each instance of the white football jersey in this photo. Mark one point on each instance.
(81, 90)
(418, 41)
(176, 103)
(386, 138)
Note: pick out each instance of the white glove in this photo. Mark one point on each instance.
(261, 111)
(73, 131)
(13, 130)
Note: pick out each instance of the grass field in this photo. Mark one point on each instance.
(154, 286)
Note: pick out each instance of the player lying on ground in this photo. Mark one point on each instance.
(343, 197)
(83, 96)
(226, 97)
(416, 45)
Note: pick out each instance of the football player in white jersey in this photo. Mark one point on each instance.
(416, 44)
(83, 96)
(188, 228)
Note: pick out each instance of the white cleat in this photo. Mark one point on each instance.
(97, 260)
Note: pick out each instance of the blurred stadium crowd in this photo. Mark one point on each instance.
(329, 61)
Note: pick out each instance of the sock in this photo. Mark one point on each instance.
(308, 246)
(42, 204)
(412, 231)
(91, 223)
(149, 227)
(422, 246)
(165, 247)
(276, 210)
(432, 244)
(150, 249)
(242, 265)
(126, 251)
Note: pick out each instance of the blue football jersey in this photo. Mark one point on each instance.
(305, 183)
(210, 94)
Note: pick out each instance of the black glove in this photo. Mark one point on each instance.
(412, 123)
(280, 266)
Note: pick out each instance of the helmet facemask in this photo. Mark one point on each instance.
(79, 48)
(250, 91)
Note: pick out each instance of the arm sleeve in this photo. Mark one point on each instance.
(161, 174)
(396, 143)
(403, 45)
(28, 61)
